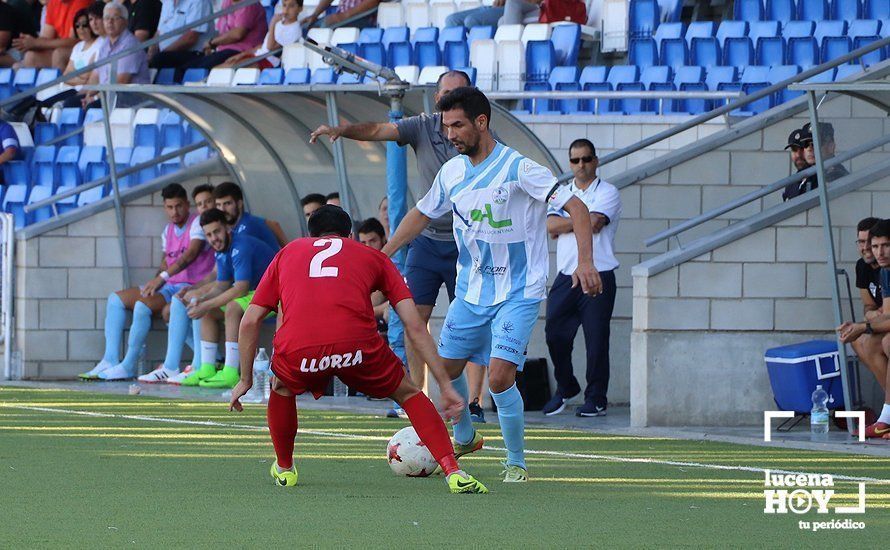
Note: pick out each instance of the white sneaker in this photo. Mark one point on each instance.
(117, 372)
(93, 373)
(157, 376)
(177, 379)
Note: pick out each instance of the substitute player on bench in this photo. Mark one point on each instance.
(324, 285)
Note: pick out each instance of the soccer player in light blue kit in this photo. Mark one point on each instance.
(499, 199)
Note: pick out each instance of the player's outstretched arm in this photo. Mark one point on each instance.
(586, 274)
(361, 131)
(412, 224)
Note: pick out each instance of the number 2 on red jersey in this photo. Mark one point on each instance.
(316, 267)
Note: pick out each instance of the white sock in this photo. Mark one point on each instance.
(208, 352)
(885, 414)
(232, 358)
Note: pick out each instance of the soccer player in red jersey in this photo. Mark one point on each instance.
(323, 285)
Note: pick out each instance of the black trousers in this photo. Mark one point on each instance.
(188, 60)
(567, 309)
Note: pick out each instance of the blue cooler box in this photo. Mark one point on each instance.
(796, 370)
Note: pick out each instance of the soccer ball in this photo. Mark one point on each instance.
(408, 456)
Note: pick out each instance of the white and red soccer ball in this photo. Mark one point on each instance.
(408, 456)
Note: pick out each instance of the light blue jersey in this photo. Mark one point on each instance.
(500, 209)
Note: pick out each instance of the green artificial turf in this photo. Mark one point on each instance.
(91, 481)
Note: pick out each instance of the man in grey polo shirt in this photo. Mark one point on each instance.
(181, 50)
(432, 257)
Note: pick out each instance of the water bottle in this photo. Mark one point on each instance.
(261, 375)
(819, 416)
(341, 390)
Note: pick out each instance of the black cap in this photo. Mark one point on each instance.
(794, 139)
(826, 132)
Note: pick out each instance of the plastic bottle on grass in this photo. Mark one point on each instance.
(341, 390)
(259, 391)
(819, 416)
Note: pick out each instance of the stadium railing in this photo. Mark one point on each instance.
(7, 269)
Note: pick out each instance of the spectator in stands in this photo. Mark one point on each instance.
(875, 348)
(567, 306)
(241, 261)
(477, 17)
(52, 46)
(383, 214)
(230, 199)
(334, 198)
(312, 202)
(179, 51)
(240, 31)
(85, 51)
(868, 272)
(12, 24)
(9, 146)
(519, 12)
(144, 17)
(95, 11)
(346, 9)
(30, 13)
(796, 148)
(151, 298)
(284, 29)
(826, 139)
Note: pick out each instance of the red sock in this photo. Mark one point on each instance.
(282, 417)
(431, 430)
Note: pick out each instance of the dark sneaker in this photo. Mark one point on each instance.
(477, 415)
(589, 409)
(555, 406)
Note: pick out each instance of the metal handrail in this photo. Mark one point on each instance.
(764, 191)
(141, 46)
(618, 94)
(611, 157)
(105, 179)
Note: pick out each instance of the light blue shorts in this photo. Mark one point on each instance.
(168, 291)
(478, 333)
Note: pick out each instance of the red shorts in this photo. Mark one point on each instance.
(369, 367)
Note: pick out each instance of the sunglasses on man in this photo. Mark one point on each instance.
(586, 160)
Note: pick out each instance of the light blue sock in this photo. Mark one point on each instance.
(196, 336)
(177, 333)
(138, 332)
(511, 415)
(463, 428)
(115, 318)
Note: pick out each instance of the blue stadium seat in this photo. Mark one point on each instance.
(643, 52)
(24, 79)
(738, 52)
(644, 17)
(297, 76)
(829, 28)
(845, 71)
(846, 9)
(565, 78)
(394, 34)
(625, 77)
(763, 29)
(657, 78)
(140, 155)
(6, 89)
(147, 135)
(885, 28)
(122, 156)
(14, 203)
(348, 79)
(46, 75)
(864, 27)
(370, 35)
(194, 75)
(825, 77)
(171, 130)
(835, 46)
(426, 54)
(803, 52)
(166, 77)
(670, 10)
(43, 166)
(748, 10)
(426, 34)
(780, 10)
(70, 119)
(674, 52)
(68, 166)
(452, 34)
(44, 131)
(484, 32)
(470, 72)
(196, 156)
(90, 196)
(688, 78)
(271, 76)
(399, 53)
(566, 41)
(754, 78)
(93, 114)
(95, 170)
(351, 47)
(457, 54)
(67, 204)
(44, 212)
(812, 10)
(375, 52)
(874, 56)
(770, 51)
(798, 29)
(778, 73)
(705, 51)
(540, 58)
(192, 135)
(593, 78)
(669, 30)
(721, 78)
(537, 106)
(324, 75)
(731, 29)
(92, 154)
(169, 166)
(876, 9)
(700, 29)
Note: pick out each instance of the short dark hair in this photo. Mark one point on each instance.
(203, 188)
(228, 189)
(313, 197)
(583, 142)
(174, 191)
(328, 220)
(96, 9)
(83, 12)
(456, 73)
(880, 229)
(334, 195)
(866, 224)
(214, 215)
(372, 225)
(469, 99)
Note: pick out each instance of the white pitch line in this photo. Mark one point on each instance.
(562, 454)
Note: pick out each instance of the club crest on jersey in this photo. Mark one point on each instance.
(500, 195)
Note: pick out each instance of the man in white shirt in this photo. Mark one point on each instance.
(568, 307)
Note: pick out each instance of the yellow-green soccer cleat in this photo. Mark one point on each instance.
(287, 478)
(514, 474)
(462, 482)
(474, 445)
